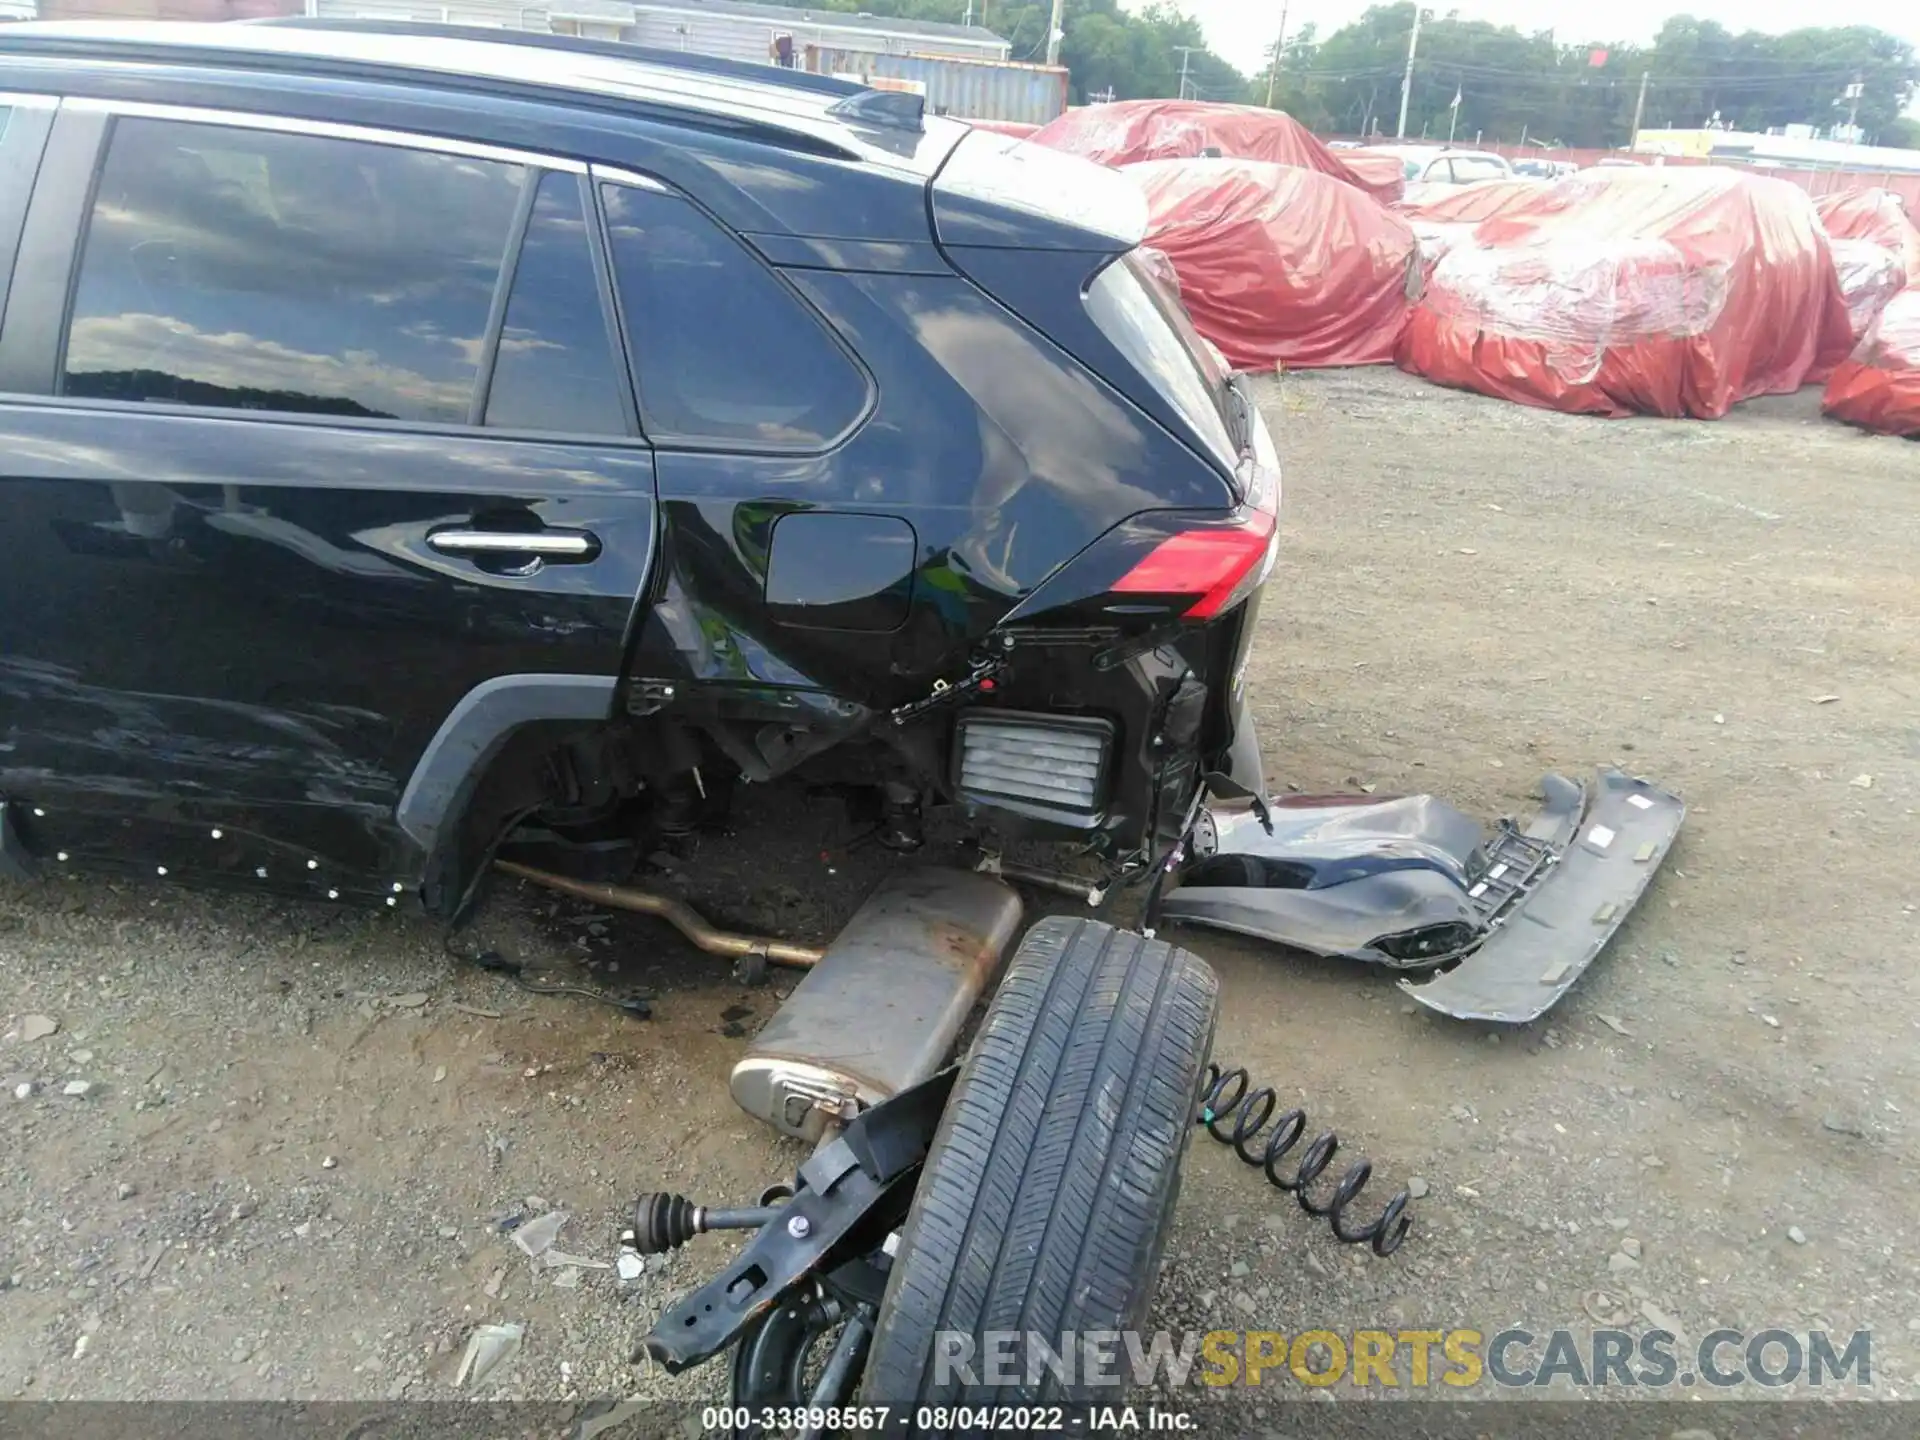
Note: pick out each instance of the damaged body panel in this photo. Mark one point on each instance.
(1514, 914)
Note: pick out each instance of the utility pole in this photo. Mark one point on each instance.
(1639, 108)
(1854, 92)
(1186, 53)
(1054, 32)
(1279, 45)
(1406, 83)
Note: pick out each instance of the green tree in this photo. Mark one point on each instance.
(1513, 85)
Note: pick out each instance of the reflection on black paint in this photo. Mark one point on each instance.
(723, 351)
(265, 271)
(556, 369)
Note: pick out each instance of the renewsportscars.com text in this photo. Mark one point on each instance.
(1456, 1359)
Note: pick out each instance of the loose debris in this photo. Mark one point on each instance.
(490, 1348)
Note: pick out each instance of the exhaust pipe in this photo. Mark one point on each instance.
(677, 913)
(885, 1008)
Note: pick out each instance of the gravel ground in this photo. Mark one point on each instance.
(306, 1130)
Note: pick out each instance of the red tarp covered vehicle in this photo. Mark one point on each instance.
(1878, 386)
(1279, 265)
(1664, 291)
(1126, 131)
(1876, 215)
(1444, 215)
(1468, 203)
(1870, 275)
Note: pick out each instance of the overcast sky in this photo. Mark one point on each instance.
(1241, 30)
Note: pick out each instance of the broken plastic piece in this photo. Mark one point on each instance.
(1511, 917)
(558, 1259)
(536, 1237)
(490, 1348)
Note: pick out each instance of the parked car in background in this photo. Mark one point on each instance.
(1536, 168)
(1437, 165)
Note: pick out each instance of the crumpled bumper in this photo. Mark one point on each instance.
(1509, 917)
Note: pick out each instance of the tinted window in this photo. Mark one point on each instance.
(724, 353)
(556, 368)
(285, 272)
(1151, 328)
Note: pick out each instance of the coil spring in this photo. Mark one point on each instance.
(1249, 1110)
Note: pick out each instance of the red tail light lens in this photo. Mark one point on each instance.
(1219, 566)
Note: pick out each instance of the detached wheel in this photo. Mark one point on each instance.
(1045, 1202)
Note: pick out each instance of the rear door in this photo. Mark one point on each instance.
(319, 468)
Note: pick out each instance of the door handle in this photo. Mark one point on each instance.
(559, 546)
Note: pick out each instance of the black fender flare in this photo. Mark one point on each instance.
(473, 734)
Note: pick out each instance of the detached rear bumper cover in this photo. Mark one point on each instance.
(1412, 883)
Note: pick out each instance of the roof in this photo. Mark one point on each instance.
(700, 87)
(836, 19)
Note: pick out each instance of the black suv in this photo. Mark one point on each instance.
(409, 433)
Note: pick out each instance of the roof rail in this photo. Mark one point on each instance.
(579, 45)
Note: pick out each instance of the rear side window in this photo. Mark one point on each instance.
(723, 352)
(264, 271)
(556, 368)
(1151, 328)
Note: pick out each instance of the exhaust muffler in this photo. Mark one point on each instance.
(883, 1008)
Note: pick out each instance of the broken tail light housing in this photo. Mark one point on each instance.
(1172, 565)
(1219, 564)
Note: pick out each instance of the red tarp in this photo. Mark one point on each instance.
(1123, 132)
(1019, 129)
(1878, 387)
(1870, 275)
(1444, 215)
(1469, 203)
(1669, 291)
(1876, 215)
(1280, 265)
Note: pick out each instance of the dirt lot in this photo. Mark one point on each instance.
(306, 1127)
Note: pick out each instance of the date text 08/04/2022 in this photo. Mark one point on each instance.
(1013, 1419)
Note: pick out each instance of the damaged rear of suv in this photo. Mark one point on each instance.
(430, 450)
(400, 472)
(425, 447)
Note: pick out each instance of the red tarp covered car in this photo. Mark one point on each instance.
(1663, 291)
(1279, 265)
(1870, 276)
(1126, 131)
(1468, 203)
(1444, 215)
(1876, 215)
(1878, 386)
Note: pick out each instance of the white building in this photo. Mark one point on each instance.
(733, 29)
(1795, 148)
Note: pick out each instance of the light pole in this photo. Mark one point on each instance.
(1273, 70)
(1406, 82)
(1186, 53)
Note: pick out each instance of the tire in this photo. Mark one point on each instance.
(1046, 1198)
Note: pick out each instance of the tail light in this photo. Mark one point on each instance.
(1166, 565)
(1219, 566)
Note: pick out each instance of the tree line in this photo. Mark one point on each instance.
(1512, 85)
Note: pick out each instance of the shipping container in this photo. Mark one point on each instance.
(969, 89)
